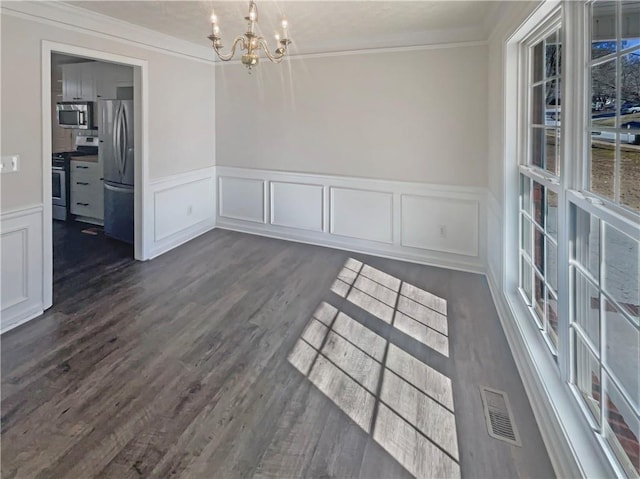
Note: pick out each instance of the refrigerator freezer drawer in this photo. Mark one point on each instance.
(118, 212)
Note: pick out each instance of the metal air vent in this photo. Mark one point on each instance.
(497, 413)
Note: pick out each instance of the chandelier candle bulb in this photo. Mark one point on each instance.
(214, 27)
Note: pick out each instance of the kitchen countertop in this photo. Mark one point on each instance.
(89, 158)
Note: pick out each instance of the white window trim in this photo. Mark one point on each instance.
(572, 446)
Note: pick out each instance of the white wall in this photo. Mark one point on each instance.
(384, 152)
(177, 85)
(413, 115)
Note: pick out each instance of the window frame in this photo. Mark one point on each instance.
(553, 22)
(605, 216)
(572, 189)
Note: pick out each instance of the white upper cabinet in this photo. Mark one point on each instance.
(78, 82)
(94, 81)
(109, 77)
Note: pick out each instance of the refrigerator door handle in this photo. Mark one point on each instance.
(124, 139)
(119, 188)
(120, 140)
(116, 139)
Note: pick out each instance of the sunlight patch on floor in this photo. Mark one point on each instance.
(414, 311)
(405, 404)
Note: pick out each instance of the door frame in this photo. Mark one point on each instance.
(143, 213)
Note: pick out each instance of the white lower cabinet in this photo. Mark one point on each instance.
(87, 190)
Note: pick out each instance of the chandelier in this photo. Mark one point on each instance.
(250, 41)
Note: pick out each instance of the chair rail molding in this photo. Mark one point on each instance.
(21, 251)
(441, 225)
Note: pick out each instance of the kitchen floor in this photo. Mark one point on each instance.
(81, 253)
(236, 356)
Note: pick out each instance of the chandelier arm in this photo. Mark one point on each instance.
(277, 58)
(229, 56)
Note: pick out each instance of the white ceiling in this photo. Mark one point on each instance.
(315, 26)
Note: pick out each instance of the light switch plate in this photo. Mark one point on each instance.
(10, 164)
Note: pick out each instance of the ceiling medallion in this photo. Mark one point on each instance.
(250, 41)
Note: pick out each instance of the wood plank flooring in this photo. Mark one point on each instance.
(236, 356)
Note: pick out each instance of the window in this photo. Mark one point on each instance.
(604, 264)
(539, 183)
(579, 210)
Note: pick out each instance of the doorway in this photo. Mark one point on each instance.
(78, 233)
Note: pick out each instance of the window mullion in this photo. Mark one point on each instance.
(617, 166)
(572, 134)
(603, 330)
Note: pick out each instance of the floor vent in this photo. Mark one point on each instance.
(497, 412)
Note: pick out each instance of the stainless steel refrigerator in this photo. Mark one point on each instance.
(116, 152)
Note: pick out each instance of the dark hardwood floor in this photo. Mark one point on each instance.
(79, 256)
(241, 356)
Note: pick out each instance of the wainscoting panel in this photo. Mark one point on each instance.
(361, 214)
(21, 266)
(297, 205)
(441, 224)
(393, 219)
(242, 199)
(15, 256)
(183, 208)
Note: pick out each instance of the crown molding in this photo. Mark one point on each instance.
(84, 21)
(405, 42)
(371, 51)
(399, 40)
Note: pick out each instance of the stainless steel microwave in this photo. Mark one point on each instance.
(75, 114)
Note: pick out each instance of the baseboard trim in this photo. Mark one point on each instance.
(352, 247)
(28, 315)
(180, 238)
